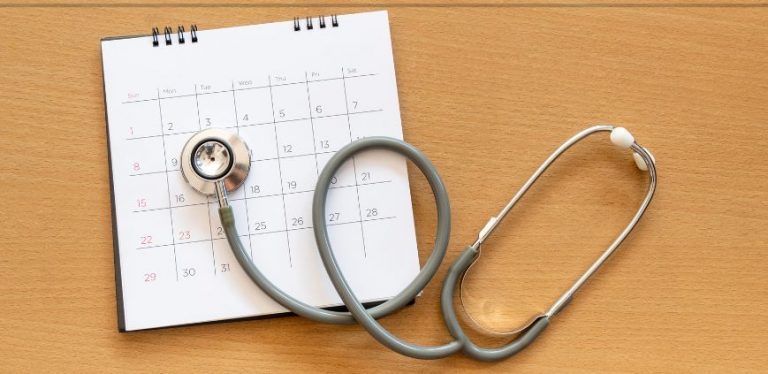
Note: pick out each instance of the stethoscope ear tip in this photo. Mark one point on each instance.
(640, 162)
(621, 137)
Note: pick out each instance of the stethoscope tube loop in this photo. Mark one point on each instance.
(367, 317)
(455, 273)
(442, 236)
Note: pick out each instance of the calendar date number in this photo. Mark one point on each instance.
(188, 272)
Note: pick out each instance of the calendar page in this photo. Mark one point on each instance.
(295, 97)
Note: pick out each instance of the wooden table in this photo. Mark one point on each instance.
(487, 92)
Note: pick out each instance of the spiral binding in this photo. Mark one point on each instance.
(180, 31)
(310, 25)
(168, 35)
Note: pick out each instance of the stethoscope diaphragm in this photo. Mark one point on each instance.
(214, 157)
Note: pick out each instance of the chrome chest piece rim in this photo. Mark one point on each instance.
(212, 156)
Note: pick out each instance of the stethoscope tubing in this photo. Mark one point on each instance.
(395, 303)
(367, 318)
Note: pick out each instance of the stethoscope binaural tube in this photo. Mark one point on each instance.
(526, 334)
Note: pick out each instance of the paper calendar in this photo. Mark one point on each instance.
(296, 94)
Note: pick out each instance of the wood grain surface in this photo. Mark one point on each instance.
(487, 92)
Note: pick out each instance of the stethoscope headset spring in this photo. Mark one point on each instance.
(214, 161)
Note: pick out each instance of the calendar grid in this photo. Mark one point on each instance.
(252, 161)
(280, 172)
(275, 123)
(275, 231)
(167, 184)
(354, 163)
(208, 203)
(262, 123)
(311, 123)
(247, 215)
(261, 196)
(248, 88)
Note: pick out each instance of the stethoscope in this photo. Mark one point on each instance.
(216, 161)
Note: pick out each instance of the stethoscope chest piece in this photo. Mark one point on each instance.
(215, 156)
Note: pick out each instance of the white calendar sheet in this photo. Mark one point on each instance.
(295, 97)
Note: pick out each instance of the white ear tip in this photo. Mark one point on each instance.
(640, 162)
(622, 137)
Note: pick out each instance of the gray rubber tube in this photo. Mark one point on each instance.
(525, 338)
(391, 305)
(363, 317)
(288, 301)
